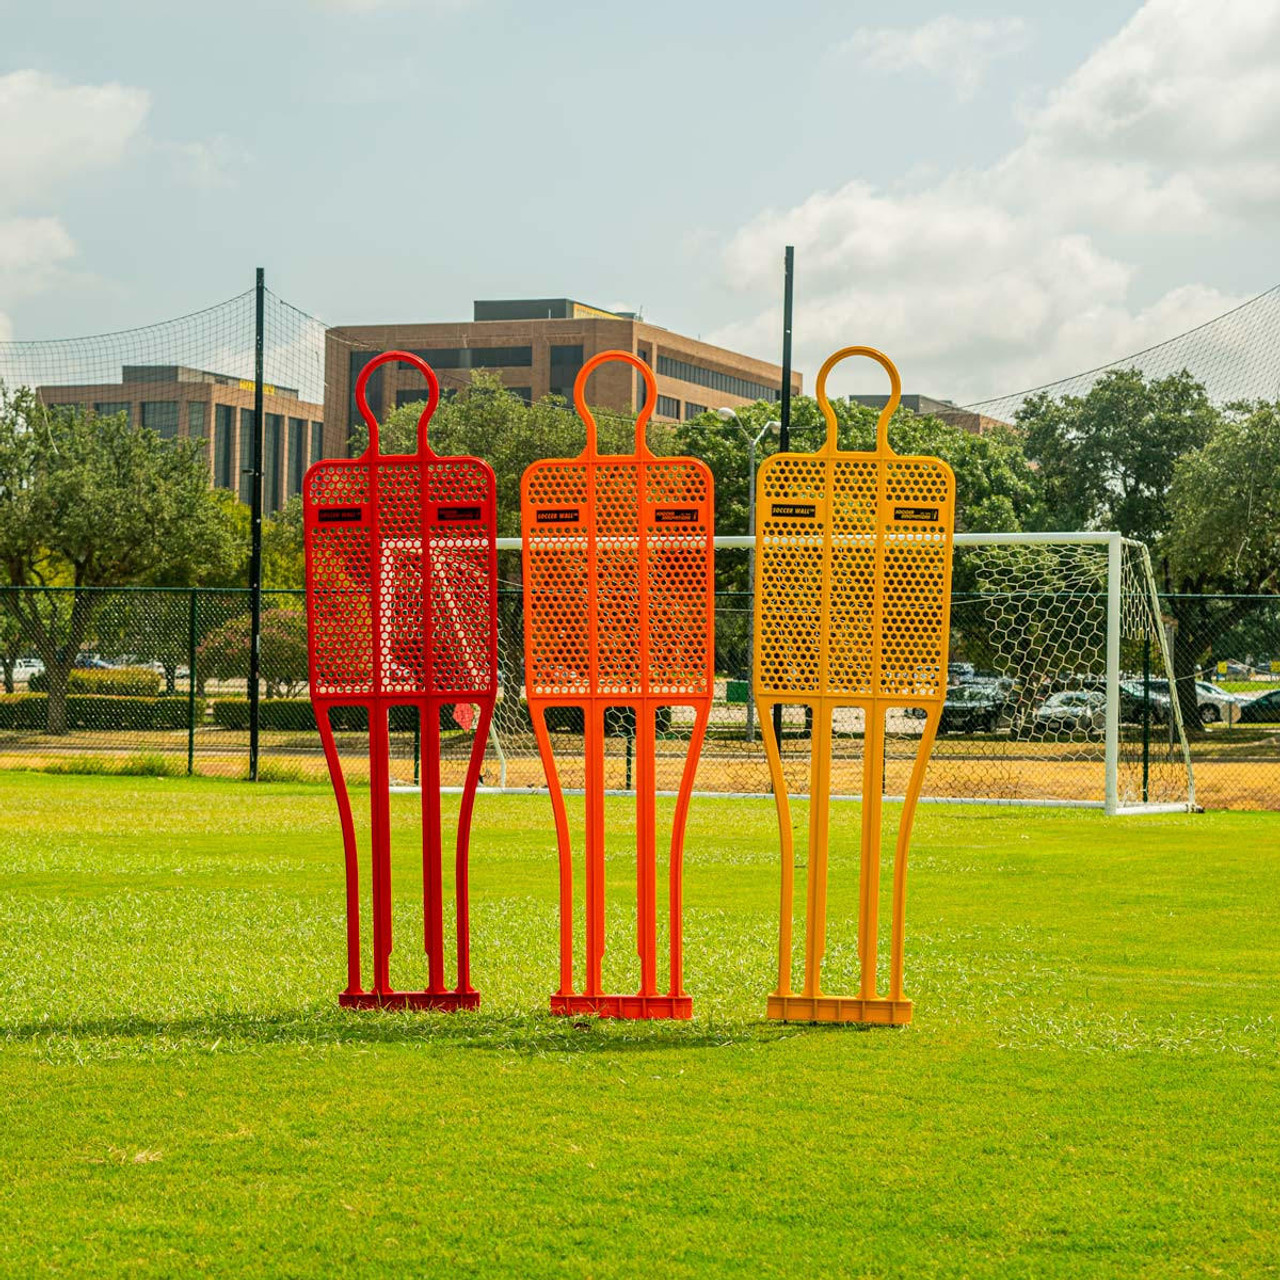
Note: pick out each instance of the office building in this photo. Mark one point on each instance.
(536, 346)
(966, 419)
(181, 403)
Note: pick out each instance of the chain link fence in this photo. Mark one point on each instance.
(157, 683)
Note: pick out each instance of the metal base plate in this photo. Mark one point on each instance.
(450, 1000)
(894, 1013)
(634, 1007)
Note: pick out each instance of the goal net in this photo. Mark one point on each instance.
(1059, 680)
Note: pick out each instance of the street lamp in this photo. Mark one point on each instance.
(728, 415)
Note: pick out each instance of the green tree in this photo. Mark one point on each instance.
(996, 488)
(283, 554)
(1106, 459)
(88, 502)
(1224, 531)
(224, 652)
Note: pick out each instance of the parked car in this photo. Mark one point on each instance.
(25, 668)
(973, 707)
(990, 679)
(90, 661)
(1214, 704)
(1070, 711)
(1264, 709)
(1132, 697)
(959, 672)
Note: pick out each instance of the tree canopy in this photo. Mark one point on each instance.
(89, 502)
(1106, 459)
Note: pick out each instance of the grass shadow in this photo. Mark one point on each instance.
(533, 1034)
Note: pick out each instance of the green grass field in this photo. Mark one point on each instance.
(1090, 1086)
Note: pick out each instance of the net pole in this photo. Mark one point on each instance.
(255, 553)
(1115, 569)
(784, 414)
(1146, 719)
(193, 606)
(1166, 654)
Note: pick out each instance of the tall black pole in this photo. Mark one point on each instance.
(788, 271)
(784, 425)
(255, 554)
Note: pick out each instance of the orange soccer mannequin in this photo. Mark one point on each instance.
(619, 612)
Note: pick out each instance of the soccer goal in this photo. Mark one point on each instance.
(1059, 672)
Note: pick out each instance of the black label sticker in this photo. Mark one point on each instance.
(793, 510)
(340, 515)
(558, 515)
(916, 513)
(675, 515)
(446, 514)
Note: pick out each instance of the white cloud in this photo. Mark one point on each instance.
(51, 135)
(207, 166)
(993, 280)
(955, 49)
(52, 132)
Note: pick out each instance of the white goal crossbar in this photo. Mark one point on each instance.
(1132, 606)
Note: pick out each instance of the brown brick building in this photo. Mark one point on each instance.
(977, 424)
(181, 403)
(537, 346)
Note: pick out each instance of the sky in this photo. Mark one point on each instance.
(995, 195)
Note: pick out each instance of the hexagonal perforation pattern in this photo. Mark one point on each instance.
(423, 620)
(817, 629)
(643, 627)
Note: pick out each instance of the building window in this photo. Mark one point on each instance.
(197, 419)
(297, 455)
(108, 408)
(478, 357)
(246, 457)
(317, 441)
(416, 395)
(161, 416)
(717, 381)
(356, 362)
(668, 407)
(692, 410)
(522, 393)
(223, 445)
(273, 447)
(566, 361)
(643, 353)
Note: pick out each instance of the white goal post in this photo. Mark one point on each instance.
(1062, 692)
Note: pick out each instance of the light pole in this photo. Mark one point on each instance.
(728, 415)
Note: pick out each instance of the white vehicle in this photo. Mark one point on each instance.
(1213, 703)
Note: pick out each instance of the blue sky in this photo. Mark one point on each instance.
(997, 195)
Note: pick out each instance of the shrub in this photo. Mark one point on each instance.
(224, 653)
(148, 764)
(120, 682)
(297, 716)
(91, 711)
(93, 765)
(278, 771)
(138, 765)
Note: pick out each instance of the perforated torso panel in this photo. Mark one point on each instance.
(618, 576)
(853, 575)
(400, 581)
